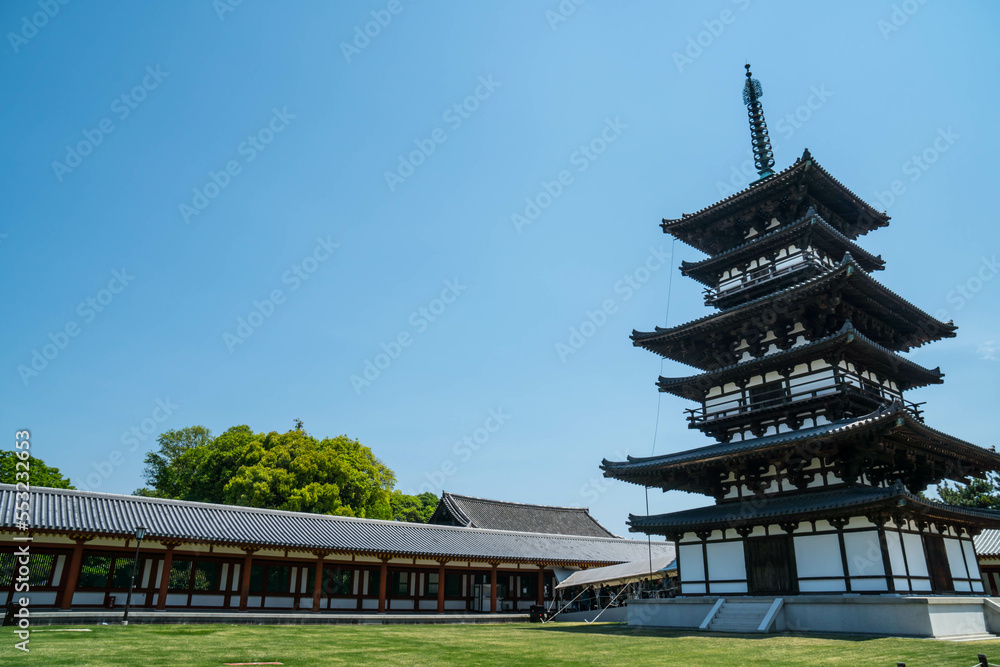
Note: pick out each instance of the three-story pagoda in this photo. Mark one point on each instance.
(819, 460)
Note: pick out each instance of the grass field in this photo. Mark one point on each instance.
(509, 644)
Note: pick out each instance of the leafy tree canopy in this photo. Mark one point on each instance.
(982, 493)
(288, 471)
(39, 474)
(415, 509)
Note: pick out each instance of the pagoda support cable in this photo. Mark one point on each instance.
(763, 157)
(659, 402)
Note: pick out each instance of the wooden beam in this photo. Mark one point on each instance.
(168, 559)
(72, 575)
(382, 576)
(318, 583)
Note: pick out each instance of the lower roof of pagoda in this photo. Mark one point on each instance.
(821, 234)
(880, 503)
(847, 342)
(903, 325)
(892, 425)
(722, 225)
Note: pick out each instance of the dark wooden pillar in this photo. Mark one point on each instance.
(541, 585)
(441, 587)
(72, 575)
(493, 589)
(245, 578)
(318, 583)
(383, 571)
(168, 560)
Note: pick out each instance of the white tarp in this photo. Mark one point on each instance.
(613, 575)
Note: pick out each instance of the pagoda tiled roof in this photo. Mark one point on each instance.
(804, 167)
(890, 417)
(899, 368)
(700, 270)
(811, 505)
(501, 515)
(902, 314)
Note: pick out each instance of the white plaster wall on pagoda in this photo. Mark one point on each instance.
(969, 549)
(956, 564)
(913, 547)
(726, 561)
(896, 562)
(690, 559)
(818, 556)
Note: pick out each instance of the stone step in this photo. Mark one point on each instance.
(739, 612)
(741, 627)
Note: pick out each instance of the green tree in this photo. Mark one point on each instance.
(164, 471)
(39, 474)
(415, 509)
(982, 493)
(290, 471)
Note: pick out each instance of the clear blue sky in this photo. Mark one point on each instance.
(309, 128)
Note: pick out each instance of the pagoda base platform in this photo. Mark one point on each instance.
(940, 617)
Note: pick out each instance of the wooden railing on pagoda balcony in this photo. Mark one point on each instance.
(804, 396)
(802, 260)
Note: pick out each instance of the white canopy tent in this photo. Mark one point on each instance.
(624, 573)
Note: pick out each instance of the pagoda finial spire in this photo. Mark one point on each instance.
(762, 156)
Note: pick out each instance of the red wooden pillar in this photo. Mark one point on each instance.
(245, 578)
(72, 576)
(168, 561)
(318, 584)
(382, 576)
(493, 589)
(541, 585)
(441, 587)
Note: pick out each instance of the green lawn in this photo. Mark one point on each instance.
(508, 644)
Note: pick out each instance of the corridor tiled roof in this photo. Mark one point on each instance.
(69, 512)
(454, 509)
